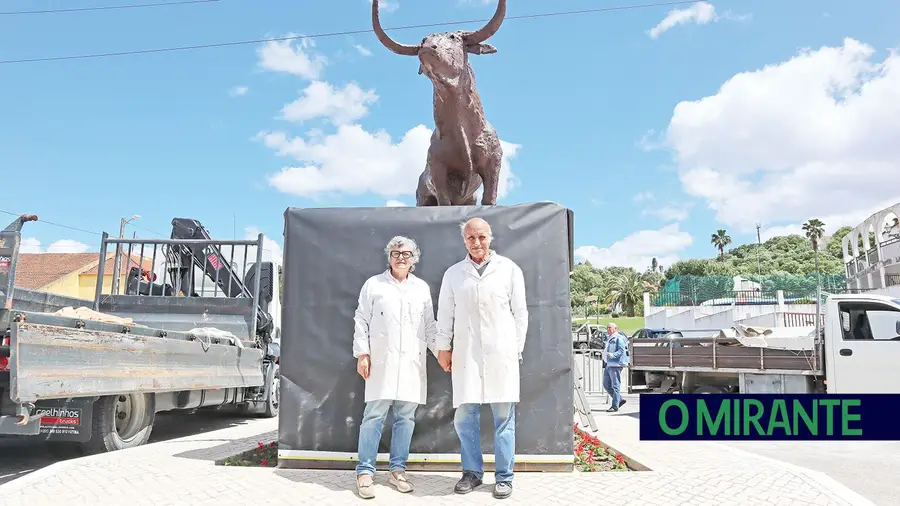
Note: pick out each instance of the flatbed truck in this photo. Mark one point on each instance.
(94, 373)
(853, 348)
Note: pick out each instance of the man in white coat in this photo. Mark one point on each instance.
(482, 321)
(394, 327)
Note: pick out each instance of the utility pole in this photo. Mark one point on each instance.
(758, 245)
(117, 261)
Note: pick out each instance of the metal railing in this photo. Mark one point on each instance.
(592, 371)
(800, 319)
(178, 272)
(730, 297)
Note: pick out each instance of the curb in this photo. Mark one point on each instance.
(633, 464)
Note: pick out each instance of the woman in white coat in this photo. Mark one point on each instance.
(394, 328)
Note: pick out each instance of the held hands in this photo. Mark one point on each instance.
(362, 366)
(445, 360)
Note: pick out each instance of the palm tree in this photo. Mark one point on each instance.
(721, 239)
(627, 290)
(654, 264)
(815, 229)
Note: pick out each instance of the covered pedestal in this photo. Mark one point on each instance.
(329, 254)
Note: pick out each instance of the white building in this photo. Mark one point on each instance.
(874, 265)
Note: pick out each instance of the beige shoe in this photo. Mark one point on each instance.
(365, 486)
(401, 481)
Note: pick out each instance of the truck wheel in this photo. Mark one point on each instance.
(121, 421)
(273, 403)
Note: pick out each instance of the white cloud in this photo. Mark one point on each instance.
(767, 233)
(700, 13)
(322, 100)
(292, 57)
(643, 196)
(355, 161)
(272, 251)
(363, 50)
(238, 91)
(638, 249)
(394, 203)
(649, 141)
(32, 245)
(811, 137)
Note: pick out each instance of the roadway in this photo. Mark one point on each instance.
(19, 457)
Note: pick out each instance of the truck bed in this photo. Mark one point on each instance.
(719, 354)
(57, 357)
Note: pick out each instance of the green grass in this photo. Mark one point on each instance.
(625, 324)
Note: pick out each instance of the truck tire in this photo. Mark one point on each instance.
(120, 422)
(273, 403)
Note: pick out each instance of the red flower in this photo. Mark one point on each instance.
(273, 443)
(261, 445)
(265, 462)
(620, 458)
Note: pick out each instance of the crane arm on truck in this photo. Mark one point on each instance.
(184, 259)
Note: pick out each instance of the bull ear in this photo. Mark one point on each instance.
(481, 48)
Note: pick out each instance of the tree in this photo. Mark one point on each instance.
(815, 229)
(721, 239)
(627, 290)
(654, 264)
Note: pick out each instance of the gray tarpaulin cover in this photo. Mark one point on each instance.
(330, 252)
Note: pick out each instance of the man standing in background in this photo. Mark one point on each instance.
(615, 355)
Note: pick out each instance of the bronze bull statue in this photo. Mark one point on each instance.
(465, 150)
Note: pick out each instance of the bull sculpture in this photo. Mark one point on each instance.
(465, 150)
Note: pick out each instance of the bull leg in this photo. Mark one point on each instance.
(441, 183)
(491, 181)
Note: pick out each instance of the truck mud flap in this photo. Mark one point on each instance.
(58, 362)
(65, 419)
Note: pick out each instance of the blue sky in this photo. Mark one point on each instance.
(647, 135)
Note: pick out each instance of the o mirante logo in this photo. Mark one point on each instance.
(769, 417)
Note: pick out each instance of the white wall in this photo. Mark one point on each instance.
(718, 317)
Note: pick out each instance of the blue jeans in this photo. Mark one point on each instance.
(467, 422)
(612, 384)
(370, 434)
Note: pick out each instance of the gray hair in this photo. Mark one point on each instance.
(463, 225)
(399, 241)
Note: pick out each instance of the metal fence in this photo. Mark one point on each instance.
(591, 366)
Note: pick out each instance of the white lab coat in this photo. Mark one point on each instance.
(394, 324)
(486, 318)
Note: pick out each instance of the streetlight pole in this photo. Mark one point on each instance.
(117, 262)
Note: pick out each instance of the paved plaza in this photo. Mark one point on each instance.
(183, 472)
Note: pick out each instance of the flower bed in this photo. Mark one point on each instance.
(264, 455)
(592, 456)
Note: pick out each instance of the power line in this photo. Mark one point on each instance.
(109, 7)
(54, 224)
(341, 33)
(146, 229)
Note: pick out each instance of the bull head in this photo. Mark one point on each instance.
(442, 56)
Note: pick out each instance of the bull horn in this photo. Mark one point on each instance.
(491, 27)
(388, 42)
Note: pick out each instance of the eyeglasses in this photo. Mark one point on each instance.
(398, 254)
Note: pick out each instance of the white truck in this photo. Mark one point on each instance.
(854, 349)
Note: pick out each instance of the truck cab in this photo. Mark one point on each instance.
(862, 344)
